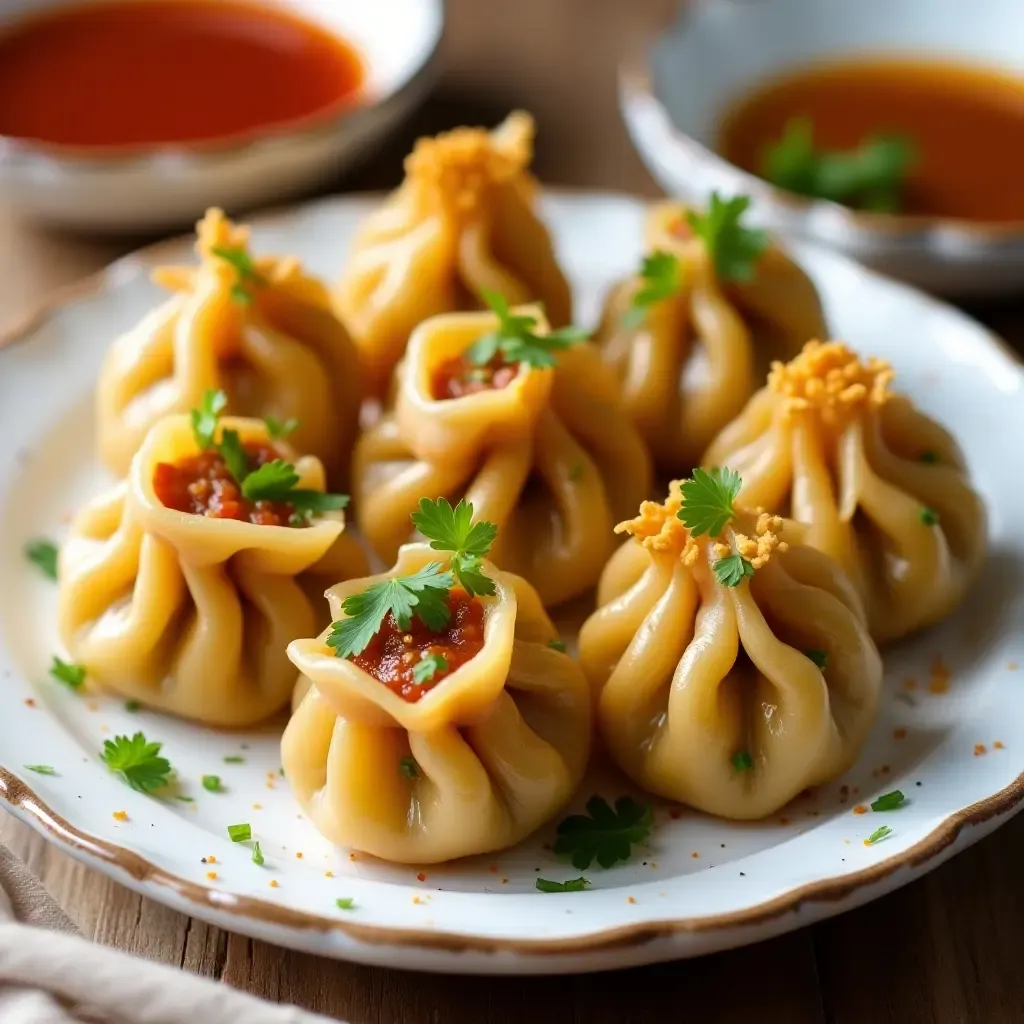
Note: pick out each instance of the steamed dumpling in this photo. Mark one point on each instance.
(882, 488)
(730, 691)
(463, 223)
(692, 334)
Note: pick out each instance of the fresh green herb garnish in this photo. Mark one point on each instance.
(132, 706)
(516, 341)
(41, 769)
(68, 673)
(278, 429)
(889, 801)
(345, 903)
(246, 268)
(734, 248)
(708, 498)
(184, 799)
(732, 570)
(240, 833)
(869, 177)
(929, 458)
(662, 277)
(257, 854)
(603, 834)
(275, 481)
(138, 761)
(453, 529)
(742, 761)
(234, 759)
(557, 645)
(929, 516)
(212, 784)
(204, 419)
(877, 835)
(409, 768)
(43, 555)
(572, 885)
(428, 666)
(820, 658)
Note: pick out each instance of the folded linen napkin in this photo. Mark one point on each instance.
(49, 974)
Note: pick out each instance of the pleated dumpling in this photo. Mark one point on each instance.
(882, 488)
(443, 718)
(259, 329)
(182, 587)
(732, 668)
(526, 426)
(693, 332)
(463, 222)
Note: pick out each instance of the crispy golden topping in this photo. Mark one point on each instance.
(828, 378)
(455, 169)
(657, 527)
(758, 549)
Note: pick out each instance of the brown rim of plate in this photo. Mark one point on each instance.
(118, 861)
(636, 78)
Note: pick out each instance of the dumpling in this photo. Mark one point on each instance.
(180, 592)
(463, 222)
(422, 743)
(882, 487)
(257, 328)
(693, 332)
(542, 450)
(732, 668)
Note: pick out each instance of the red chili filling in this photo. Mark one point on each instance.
(458, 377)
(203, 486)
(392, 655)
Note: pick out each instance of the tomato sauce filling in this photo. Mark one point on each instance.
(458, 377)
(392, 655)
(203, 486)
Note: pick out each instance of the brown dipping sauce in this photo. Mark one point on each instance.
(967, 124)
(120, 73)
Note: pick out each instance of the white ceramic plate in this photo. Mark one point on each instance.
(702, 884)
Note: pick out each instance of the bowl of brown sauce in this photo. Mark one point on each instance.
(139, 114)
(892, 130)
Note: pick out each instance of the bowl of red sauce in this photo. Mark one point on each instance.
(891, 130)
(139, 114)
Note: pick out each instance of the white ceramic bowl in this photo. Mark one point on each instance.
(675, 92)
(163, 187)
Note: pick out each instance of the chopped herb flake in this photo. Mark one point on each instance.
(889, 801)
(604, 834)
(345, 903)
(572, 885)
(878, 835)
(820, 658)
(257, 854)
(240, 833)
(234, 759)
(71, 675)
(211, 783)
(41, 769)
(742, 761)
(409, 768)
(428, 666)
(929, 516)
(557, 645)
(43, 555)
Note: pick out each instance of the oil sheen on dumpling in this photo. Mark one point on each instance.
(187, 613)
(473, 765)
(882, 487)
(689, 364)
(712, 695)
(259, 329)
(463, 222)
(549, 457)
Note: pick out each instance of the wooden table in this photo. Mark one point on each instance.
(945, 949)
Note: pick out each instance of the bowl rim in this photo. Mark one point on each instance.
(807, 215)
(326, 120)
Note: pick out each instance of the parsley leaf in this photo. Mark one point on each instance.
(742, 761)
(138, 761)
(257, 855)
(277, 429)
(889, 801)
(871, 176)
(270, 482)
(345, 903)
(68, 673)
(662, 278)
(708, 498)
(234, 455)
(240, 833)
(733, 248)
(212, 784)
(453, 529)
(572, 885)
(428, 666)
(204, 419)
(409, 768)
(732, 570)
(41, 769)
(603, 834)
(878, 835)
(424, 593)
(820, 658)
(247, 273)
(43, 555)
(516, 341)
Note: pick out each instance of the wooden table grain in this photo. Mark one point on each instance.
(945, 949)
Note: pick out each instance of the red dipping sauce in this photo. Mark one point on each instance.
(458, 377)
(393, 653)
(150, 72)
(202, 485)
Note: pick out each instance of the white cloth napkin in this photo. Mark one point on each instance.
(49, 974)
